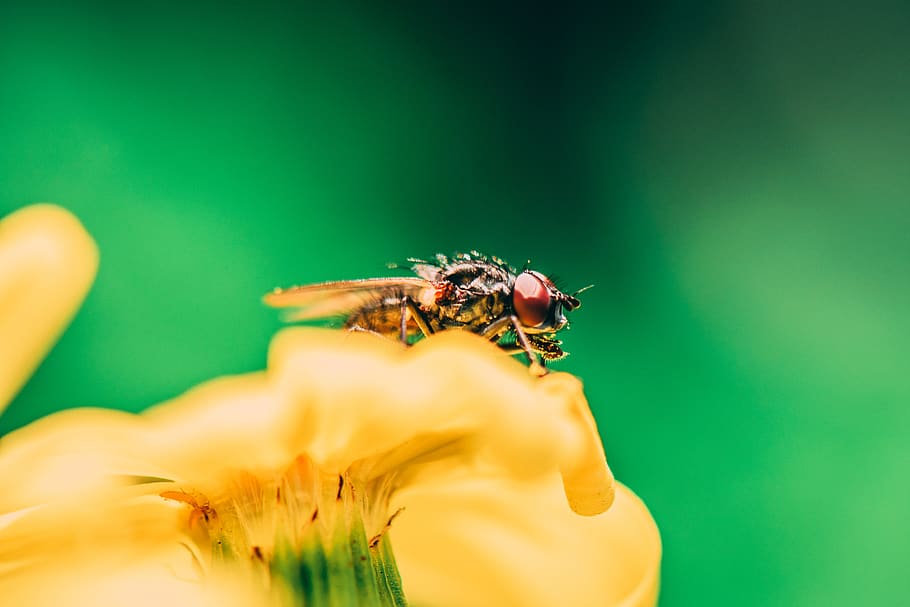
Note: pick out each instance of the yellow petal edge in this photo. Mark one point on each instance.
(47, 264)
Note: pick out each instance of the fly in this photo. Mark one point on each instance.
(519, 311)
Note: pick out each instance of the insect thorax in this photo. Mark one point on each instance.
(472, 309)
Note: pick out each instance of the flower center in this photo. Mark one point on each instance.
(304, 537)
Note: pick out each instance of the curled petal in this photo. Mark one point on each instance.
(47, 264)
(355, 397)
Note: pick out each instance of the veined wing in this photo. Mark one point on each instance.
(342, 297)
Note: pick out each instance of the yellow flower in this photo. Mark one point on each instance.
(293, 484)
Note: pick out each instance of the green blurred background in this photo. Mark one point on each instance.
(733, 177)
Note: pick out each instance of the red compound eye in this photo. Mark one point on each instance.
(531, 299)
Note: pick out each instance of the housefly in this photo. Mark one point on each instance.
(519, 311)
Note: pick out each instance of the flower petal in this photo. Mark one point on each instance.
(357, 397)
(405, 406)
(119, 545)
(47, 263)
(495, 541)
(488, 462)
(198, 437)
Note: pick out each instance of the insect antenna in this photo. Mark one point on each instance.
(581, 290)
(403, 265)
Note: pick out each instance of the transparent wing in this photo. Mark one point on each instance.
(341, 298)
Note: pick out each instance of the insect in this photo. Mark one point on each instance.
(520, 311)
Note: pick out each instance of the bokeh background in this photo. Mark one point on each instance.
(732, 176)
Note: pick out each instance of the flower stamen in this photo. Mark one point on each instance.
(203, 510)
(374, 541)
(302, 534)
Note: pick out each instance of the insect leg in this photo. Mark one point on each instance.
(359, 329)
(409, 306)
(404, 319)
(537, 366)
(420, 318)
(494, 332)
(495, 329)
